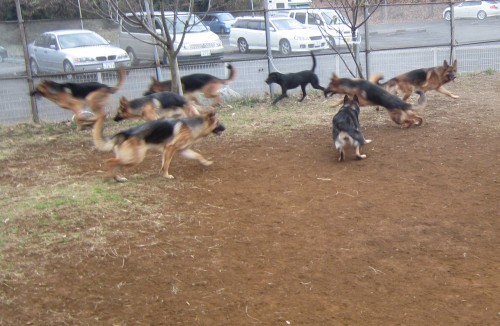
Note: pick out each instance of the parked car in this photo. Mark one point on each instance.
(473, 9)
(327, 21)
(219, 22)
(286, 35)
(74, 50)
(3, 54)
(199, 42)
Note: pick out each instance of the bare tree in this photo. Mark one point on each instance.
(140, 13)
(355, 13)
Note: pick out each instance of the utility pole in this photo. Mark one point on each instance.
(34, 110)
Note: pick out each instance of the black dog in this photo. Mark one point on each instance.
(294, 80)
(346, 128)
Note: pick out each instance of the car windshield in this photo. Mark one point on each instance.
(331, 17)
(77, 40)
(195, 24)
(285, 24)
(226, 16)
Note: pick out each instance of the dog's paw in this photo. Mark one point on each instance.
(206, 163)
(367, 141)
(168, 176)
(120, 178)
(454, 96)
(360, 157)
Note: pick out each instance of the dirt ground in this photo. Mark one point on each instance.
(276, 232)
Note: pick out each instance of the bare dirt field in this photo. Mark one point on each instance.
(275, 232)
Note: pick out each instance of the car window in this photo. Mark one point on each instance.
(287, 24)
(41, 41)
(132, 26)
(194, 25)
(301, 17)
(52, 42)
(254, 25)
(242, 23)
(331, 17)
(225, 16)
(80, 40)
(313, 19)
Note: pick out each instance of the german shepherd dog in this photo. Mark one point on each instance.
(167, 136)
(155, 106)
(193, 84)
(75, 97)
(294, 80)
(346, 128)
(369, 93)
(425, 79)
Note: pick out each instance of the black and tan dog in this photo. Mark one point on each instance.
(369, 93)
(155, 106)
(425, 79)
(346, 128)
(294, 80)
(75, 97)
(167, 136)
(193, 84)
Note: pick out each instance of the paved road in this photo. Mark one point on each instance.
(381, 37)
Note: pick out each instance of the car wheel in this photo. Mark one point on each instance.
(242, 45)
(222, 30)
(34, 67)
(447, 15)
(133, 57)
(285, 47)
(481, 15)
(68, 67)
(331, 41)
(164, 59)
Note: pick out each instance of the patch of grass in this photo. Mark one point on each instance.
(490, 71)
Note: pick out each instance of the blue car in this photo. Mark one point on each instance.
(219, 22)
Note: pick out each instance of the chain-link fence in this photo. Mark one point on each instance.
(395, 39)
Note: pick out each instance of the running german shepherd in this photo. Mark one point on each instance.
(369, 93)
(425, 79)
(154, 107)
(346, 128)
(167, 136)
(193, 84)
(75, 97)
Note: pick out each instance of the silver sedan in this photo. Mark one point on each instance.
(74, 50)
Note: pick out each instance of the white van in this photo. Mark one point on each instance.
(329, 22)
(199, 43)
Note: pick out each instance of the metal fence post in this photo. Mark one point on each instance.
(367, 43)
(452, 31)
(268, 45)
(34, 110)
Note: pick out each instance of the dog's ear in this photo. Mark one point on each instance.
(445, 64)
(355, 99)
(123, 100)
(455, 63)
(346, 100)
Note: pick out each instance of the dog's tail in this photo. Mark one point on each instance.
(314, 61)
(100, 142)
(150, 90)
(232, 74)
(376, 78)
(122, 75)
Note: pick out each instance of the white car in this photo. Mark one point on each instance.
(327, 21)
(200, 44)
(286, 35)
(473, 9)
(74, 50)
